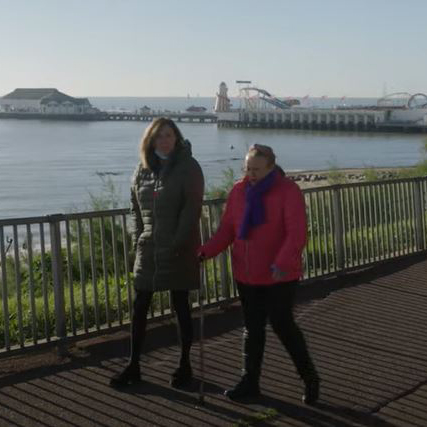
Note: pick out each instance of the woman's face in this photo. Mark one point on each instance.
(165, 140)
(257, 168)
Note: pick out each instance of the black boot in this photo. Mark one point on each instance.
(294, 342)
(130, 375)
(253, 350)
(182, 376)
(246, 388)
(311, 384)
(311, 392)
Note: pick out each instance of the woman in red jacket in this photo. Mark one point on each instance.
(265, 221)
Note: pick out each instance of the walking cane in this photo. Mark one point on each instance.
(201, 340)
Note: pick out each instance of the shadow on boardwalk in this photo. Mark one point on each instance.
(366, 331)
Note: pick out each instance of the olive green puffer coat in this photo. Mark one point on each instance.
(166, 204)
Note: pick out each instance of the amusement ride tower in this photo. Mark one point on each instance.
(222, 103)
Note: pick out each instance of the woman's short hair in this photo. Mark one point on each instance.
(265, 151)
(150, 135)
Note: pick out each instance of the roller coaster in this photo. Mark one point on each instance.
(255, 98)
(403, 100)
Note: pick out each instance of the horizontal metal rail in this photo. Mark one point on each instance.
(67, 275)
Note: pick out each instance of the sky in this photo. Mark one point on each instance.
(353, 48)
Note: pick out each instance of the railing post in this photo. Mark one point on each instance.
(223, 260)
(418, 211)
(225, 288)
(57, 275)
(338, 227)
(4, 289)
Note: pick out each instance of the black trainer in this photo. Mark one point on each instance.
(245, 389)
(130, 375)
(182, 377)
(311, 393)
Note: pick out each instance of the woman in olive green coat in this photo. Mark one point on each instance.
(166, 201)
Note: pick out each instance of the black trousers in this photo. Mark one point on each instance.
(275, 303)
(139, 322)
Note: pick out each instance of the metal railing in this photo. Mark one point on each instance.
(69, 275)
(354, 225)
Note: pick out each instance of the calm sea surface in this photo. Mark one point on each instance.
(51, 167)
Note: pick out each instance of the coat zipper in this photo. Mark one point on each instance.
(154, 232)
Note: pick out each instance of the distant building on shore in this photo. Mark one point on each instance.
(48, 101)
(195, 109)
(145, 110)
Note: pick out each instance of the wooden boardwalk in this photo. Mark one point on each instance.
(367, 333)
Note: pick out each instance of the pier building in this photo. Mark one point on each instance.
(259, 109)
(44, 101)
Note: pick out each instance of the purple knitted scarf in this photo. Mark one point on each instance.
(254, 207)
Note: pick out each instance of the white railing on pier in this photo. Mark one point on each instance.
(64, 276)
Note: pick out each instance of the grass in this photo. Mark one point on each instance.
(259, 417)
(44, 311)
(85, 306)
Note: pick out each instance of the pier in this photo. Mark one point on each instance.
(318, 119)
(177, 116)
(180, 117)
(399, 112)
(51, 104)
(306, 119)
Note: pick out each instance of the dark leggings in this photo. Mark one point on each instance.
(273, 302)
(139, 322)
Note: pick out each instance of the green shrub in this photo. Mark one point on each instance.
(371, 174)
(335, 175)
(221, 191)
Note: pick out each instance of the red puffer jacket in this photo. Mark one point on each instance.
(279, 241)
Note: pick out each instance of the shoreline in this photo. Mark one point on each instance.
(325, 177)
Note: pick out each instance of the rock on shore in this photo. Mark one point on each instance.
(307, 179)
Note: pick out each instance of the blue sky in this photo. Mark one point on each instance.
(175, 48)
